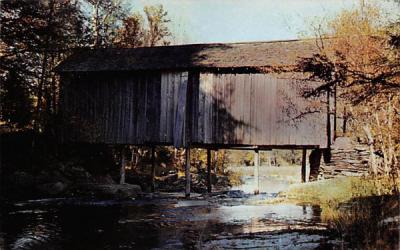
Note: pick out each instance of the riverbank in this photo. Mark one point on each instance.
(226, 219)
(341, 189)
(37, 166)
(363, 211)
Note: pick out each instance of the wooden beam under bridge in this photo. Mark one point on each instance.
(304, 166)
(187, 172)
(208, 170)
(153, 168)
(257, 171)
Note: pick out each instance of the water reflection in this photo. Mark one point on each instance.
(162, 224)
(233, 219)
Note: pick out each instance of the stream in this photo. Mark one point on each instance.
(166, 223)
(226, 220)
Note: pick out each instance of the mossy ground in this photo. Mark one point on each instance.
(334, 191)
(363, 211)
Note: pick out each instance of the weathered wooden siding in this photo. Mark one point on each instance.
(255, 109)
(122, 109)
(225, 109)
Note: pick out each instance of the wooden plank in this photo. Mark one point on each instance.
(157, 108)
(176, 82)
(170, 116)
(274, 108)
(235, 107)
(247, 109)
(152, 109)
(241, 91)
(208, 109)
(228, 111)
(112, 113)
(253, 114)
(195, 106)
(279, 107)
(283, 100)
(259, 109)
(223, 108)
(217, 102)
(179, 129)
(142, 100)
(147, 109)
(135, 111)
(118, 107)
(231, 112)
(220, 108)
(211, 97)
(104, 96)
(164, 107)
(267, 109)
(201, 104)
(124, 112)
(131, 126)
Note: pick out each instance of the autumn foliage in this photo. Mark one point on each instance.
(359, 62)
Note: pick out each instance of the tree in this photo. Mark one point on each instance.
(132, 32)
(359, 61)
(135, 32)
(157, 25)
(35, 36)
(105, 19)
(17, 107)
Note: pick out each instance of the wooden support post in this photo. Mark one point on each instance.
(208, 170)
(256, 171)
(123, 164)
(153, 168)
(314, 161)
(215, 162)
(269, 154)
(187, 172)
(304, 166)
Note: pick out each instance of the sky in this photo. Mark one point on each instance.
(207, 21)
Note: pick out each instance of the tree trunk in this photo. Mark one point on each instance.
(373, 164)
(40, 92)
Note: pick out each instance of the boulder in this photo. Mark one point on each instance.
(171, 178)
(55, 188)
(45, 177)
(22, 179)
(104, 179)
(111, 191)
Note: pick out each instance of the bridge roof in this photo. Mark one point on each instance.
(190, 56)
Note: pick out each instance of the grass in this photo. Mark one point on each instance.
(234, 177)
(334, 191)
(355, 208)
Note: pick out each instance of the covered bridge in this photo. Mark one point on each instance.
(237, 95)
